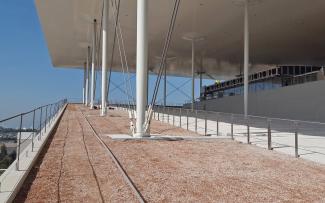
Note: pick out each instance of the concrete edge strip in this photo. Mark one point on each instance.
(26, 172)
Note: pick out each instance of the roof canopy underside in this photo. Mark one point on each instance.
(281, 32)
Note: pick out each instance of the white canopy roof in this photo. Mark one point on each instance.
(281, 32)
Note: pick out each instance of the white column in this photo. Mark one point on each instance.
(104, 56)
(142, 65)
(87, 76)
(246, 59)
(193, 73)
(165, 84)
(147, 92)
(93, 58)
(201, 84)
(84, 85)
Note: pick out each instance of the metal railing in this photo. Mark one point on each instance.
(22, 130)
(274, 82)
(304, 137)
(308, 77)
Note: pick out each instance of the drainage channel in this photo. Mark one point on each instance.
(125, 176)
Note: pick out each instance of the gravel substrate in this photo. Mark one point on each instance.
(164, 171)
(64, 172)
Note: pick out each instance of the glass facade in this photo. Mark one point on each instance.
(266, 80)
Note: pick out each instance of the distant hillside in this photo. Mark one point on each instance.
(9, 130)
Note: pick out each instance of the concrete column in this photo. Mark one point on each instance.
(141, 65)
(93, 58)
(104, 56)
(87, 76)
(246, 58)
(193, 74)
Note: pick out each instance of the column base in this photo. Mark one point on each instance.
(140, 135)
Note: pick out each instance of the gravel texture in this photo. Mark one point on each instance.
(163, 171)
(65, 173)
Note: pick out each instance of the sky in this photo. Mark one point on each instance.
(28, 79)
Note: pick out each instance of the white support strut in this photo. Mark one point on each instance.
(141, 66)
(87, 77)
(165, 84)
(104, 57)
(193, 74)
(93, 58)
(84, 84)
(246, 58)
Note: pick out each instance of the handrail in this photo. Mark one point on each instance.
(21, 114)
(305, 74)
(263, 117)
(45, 118)
(242, 115)
(248, 124)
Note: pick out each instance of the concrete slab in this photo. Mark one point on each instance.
(118, 136)
(157, 137)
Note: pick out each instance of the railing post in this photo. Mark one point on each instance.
(180, 117)
(196, 121)
(33, 130)
(173, 118)
(50, 109)
(40, 124)
(186, 119)
(205, 123)
(18, 144)
(50, 114)
(168, 115)
(296, 140)
(269, 135)
(248, 132)
(45, 119)
(158, 113)
(53, 112)
(164, 114)
(232, 127)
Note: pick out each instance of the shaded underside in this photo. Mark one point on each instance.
(281, 32)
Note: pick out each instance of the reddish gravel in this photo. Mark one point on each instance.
(164, 171)
(73, 179)
(117, 122)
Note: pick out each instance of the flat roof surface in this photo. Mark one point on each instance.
(76, 168)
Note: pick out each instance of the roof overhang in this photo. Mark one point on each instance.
(281, 32)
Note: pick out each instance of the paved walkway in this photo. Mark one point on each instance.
(76, 168)
(311, 137)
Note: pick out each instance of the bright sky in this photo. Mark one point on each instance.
(27, 78)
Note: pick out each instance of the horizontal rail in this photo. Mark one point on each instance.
(248, 116)
(25, 113)
(45, 118)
